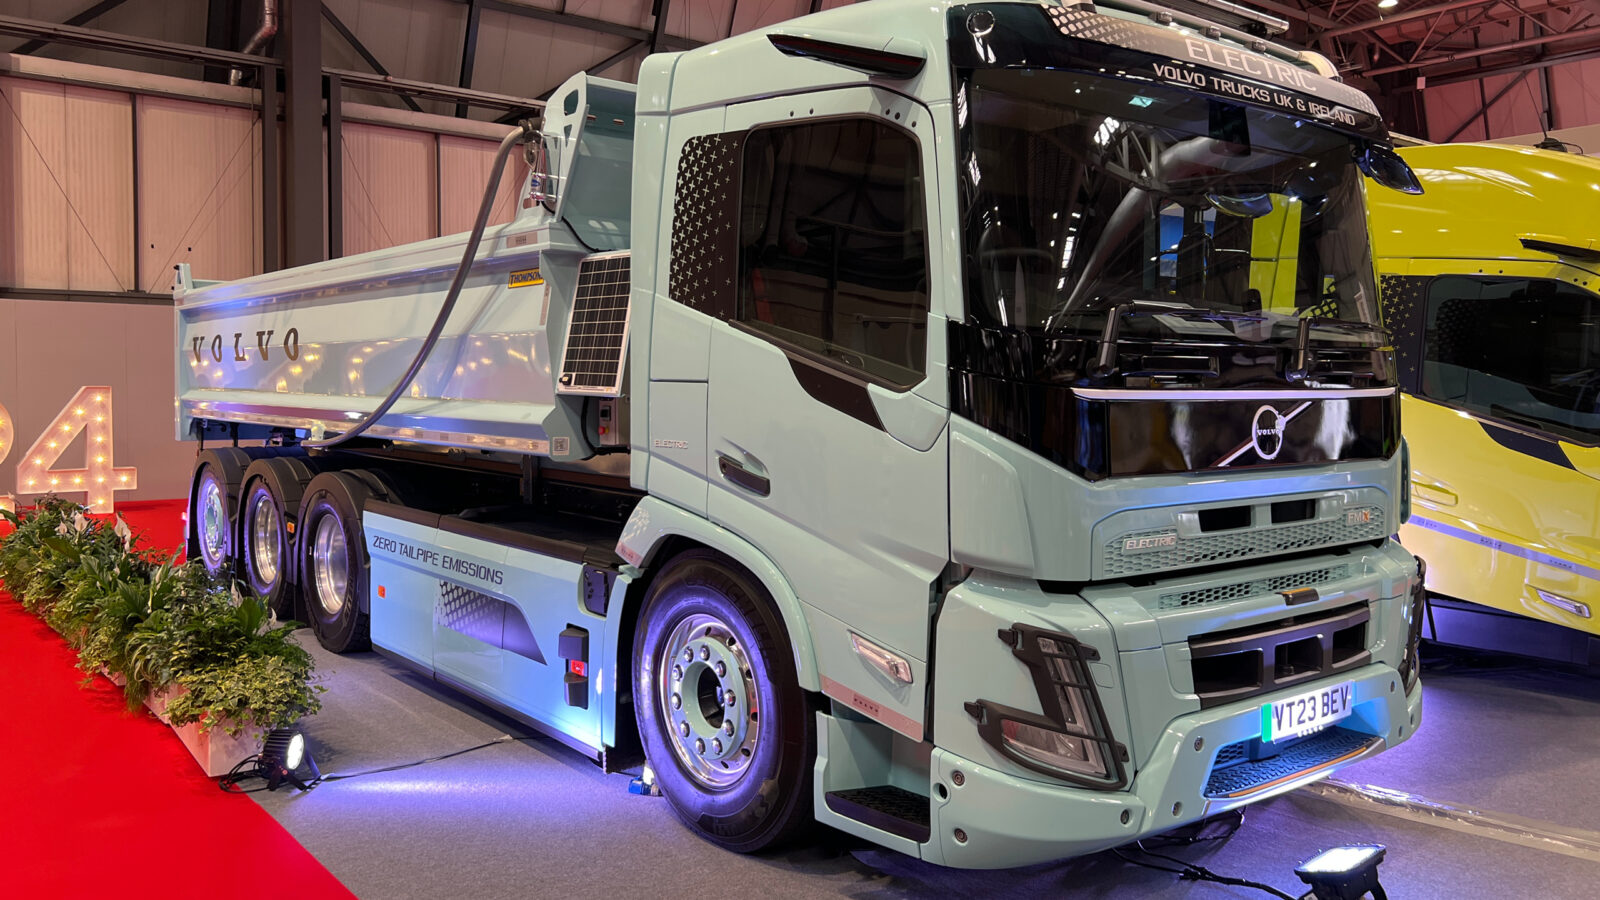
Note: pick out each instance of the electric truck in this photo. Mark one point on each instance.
(1495, 320)
(967, 425)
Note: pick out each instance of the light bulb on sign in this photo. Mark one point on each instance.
(98, 469)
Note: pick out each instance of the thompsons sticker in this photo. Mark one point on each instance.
(524, 278)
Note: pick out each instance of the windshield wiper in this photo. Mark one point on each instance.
(1106, 363)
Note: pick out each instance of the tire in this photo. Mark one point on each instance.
(269, 508)
(331, 562)
(213, 501)
(756, 791)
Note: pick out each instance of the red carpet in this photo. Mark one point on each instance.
(100, 802)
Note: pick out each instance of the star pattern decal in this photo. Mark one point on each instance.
(705, 208)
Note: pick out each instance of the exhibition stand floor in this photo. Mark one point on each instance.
(104, 802)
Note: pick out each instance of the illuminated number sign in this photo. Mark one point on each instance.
(87, 414)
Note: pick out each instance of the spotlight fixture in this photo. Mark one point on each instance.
(1344, 873)
(1388, 4)
(284, 758)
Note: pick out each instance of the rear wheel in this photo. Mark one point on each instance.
(213, 499)
(273, 489)
(723, 719)
(331, 556)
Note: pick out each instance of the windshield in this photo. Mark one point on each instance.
(1083, 192)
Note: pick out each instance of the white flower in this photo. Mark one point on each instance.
(63, 529)
(79, 522)
(124, 532)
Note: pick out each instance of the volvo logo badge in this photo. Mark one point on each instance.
(1266, 432)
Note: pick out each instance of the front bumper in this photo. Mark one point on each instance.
(987, 818)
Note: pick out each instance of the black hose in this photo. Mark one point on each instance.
(521, 135)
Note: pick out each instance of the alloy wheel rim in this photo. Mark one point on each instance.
(708, 700)
(266, 531)
(329, 559)
(213, 524)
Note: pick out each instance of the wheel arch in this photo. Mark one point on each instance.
(658, 531)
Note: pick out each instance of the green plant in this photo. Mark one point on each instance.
(161, 626)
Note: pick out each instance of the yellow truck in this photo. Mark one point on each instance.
(1490, 284)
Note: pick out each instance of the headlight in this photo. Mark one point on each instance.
(1071, 740)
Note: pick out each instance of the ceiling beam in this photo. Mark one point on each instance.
(585, 22)
(83, 18)
(362, 51)
(1421, 12)
(469, 50)
(50, 32)
(1461, 55)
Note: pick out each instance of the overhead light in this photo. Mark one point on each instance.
(285, 758)
(1343, 873)
(1388, 4)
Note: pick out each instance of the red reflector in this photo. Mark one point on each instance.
(578, 667)
(381, 592)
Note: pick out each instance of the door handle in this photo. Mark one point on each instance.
(735, 471)
(1433, 493)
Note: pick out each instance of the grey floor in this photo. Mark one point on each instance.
(529, 818)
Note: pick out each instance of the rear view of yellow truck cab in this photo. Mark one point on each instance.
(1489, 282)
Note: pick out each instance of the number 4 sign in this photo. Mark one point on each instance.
(88, 414)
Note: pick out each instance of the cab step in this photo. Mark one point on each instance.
(886, 808)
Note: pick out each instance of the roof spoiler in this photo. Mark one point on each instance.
(896, 58)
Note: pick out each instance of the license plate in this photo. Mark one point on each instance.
(1305, 713)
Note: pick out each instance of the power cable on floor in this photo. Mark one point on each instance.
(1188, 871)
(230, 782)
(1192, 872)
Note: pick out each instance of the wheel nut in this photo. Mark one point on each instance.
(705, 652)
(728, 698)
(677, 701)
(716, 745)
(683, 729)
(688, 654)
(722, 669)
(727, 728)
(677, 673)
(699, 745)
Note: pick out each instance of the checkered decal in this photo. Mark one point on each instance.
(466, 611)
(705, 253)
(1403, 297)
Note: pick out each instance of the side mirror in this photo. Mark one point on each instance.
(1385, 166)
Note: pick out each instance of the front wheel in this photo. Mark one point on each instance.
(728, 729)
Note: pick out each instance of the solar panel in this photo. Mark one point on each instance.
(597, 331)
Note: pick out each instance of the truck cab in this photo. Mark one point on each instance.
(1494, 317)
(968, 425)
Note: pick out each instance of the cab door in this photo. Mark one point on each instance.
(826, 406)
(1503, 431)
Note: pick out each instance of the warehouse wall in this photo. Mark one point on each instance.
(105, 190)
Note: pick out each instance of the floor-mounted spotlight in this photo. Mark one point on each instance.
(285, 758)
(1344, 873)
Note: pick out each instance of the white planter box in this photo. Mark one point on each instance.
(216, 751)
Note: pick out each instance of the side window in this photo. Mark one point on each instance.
(1519, 349)
(833, 252)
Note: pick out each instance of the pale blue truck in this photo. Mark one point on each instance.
(967, 425)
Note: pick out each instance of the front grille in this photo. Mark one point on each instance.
(1244, 768)
(1233, 665)
(1352, 525)
(1238, 591)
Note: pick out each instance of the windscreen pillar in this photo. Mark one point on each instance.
(304, 232)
